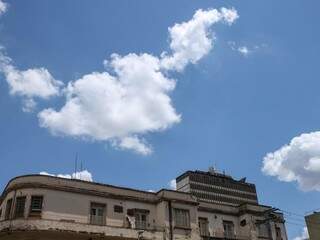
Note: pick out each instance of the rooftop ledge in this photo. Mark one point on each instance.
(93, 188)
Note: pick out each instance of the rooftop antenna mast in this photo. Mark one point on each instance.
(75, 166)
(80, 170)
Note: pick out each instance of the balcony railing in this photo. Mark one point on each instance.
(141, 224)
(226, 238)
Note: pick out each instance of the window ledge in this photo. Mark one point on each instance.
(184, 228)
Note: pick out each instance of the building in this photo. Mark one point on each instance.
(215, 187)
(313, 225)
(50, 208)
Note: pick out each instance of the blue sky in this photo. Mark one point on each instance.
(234, 106)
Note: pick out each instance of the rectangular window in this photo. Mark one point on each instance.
(278, 233)
(19, 208)
(228, 228)
(140, 219)
(8, 209)
(36, 205)
(118, 209)
(204, 227)
(0, 213)
(97, 214)
(182, 218)
(263, 230)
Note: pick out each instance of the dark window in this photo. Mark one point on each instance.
(8, 209)
(204, 227)
(19, 209)
(181, 218)
(0, 213)
(278, 233)
(97, 214)
(118, 209)
(141, 219)
(228, 228)
(36, 204)
(263, 230)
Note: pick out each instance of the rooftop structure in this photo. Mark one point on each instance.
(216, 187)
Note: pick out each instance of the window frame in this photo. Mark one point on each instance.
(97, 206)
(23, 209)
(205, 221)
(116, 209)
(139, 222)
(8, 210)
(227, 232)
(178, 222)
(34, 212)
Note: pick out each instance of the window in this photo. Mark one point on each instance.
(204, 228)
(278, 233)
(182, 218)
(140, 219)
(36, 204)
(263, 230)
(8, 209)
(97, 214)
(19, 208)
(0, 213)
(228, 228)
(118, 209)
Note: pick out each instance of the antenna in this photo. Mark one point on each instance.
(75, 166)
(80, 170)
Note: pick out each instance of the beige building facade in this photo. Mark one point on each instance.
(46, 207)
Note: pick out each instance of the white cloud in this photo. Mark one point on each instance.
(191, 40)
(243, 50)
(297, 161)
(135, 144)
(246, 50)
(82, 175)
(103, 107)
(304, 235)
(173, 184)
(29, 84)
(133, 98)
(28, 105)
(3, 7)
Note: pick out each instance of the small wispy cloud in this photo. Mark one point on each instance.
(244, 50)
(173, 184)
(3, 7)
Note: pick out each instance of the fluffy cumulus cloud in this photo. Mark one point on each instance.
(192, 40)
(304, 235)
(133, 97)
(3, 7)
(29, 84)
(84, 175)
(297, 161)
